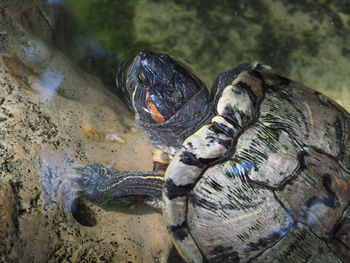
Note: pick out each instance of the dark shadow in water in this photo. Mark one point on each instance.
(85, 216)
(174, 257)
(132, 205)
(83, 213)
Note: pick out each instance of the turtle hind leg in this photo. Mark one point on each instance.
(101, 184)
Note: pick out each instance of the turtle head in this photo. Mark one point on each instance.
(169, 101)
(158, 87)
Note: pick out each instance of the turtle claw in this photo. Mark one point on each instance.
(78, 166)
(77, 190)
(89, 180)
(74, 177)
(257, 65)
(266, 67)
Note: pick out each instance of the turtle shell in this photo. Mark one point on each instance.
(267, 180)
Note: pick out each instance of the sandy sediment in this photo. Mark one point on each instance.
(52, 115)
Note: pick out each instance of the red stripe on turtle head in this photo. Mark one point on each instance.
(156, 115)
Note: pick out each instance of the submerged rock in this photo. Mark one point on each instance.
(52, 116)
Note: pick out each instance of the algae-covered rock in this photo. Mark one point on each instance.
(304, 40)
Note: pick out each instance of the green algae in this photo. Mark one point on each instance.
(303, 40)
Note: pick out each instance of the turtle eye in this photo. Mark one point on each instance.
(143, 79)
(139, 78)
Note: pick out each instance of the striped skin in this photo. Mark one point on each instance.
(101, 184)
(277, 190)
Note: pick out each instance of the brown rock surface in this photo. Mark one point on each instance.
(52, 114)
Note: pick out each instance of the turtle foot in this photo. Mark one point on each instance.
(93, 181)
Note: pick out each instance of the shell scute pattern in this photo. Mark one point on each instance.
(318, 195)
(247, 218)
(271, 152)
(297, 109)
(238, 101)
(284, 181)
(344, 155)
(300, 245)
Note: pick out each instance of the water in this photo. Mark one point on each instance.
(55, 115)
(306, 41)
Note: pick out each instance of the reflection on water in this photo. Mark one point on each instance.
(57, 189)
(50, 80)
(51, 2)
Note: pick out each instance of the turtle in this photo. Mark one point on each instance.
(259, 169)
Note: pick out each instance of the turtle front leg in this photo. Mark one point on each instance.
(101, 184)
